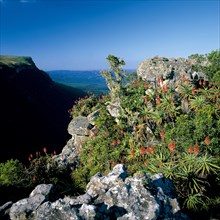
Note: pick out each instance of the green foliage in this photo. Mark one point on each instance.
(157, 135)
(12, 172)
(84, 106)
(212, 69)
(41, 169)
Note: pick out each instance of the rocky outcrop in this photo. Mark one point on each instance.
(168, 69)
(114, 196)
(80, 128)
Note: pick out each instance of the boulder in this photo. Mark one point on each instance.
(170, 69)
(24, 209)
(4, 210)
(80, 129)
(78, 126)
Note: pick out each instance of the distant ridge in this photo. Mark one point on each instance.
(87, 80)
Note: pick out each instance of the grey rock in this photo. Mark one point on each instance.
(87, 212)
(98, 184)
(168, 68)
(23, 209)
(69, 157)
(134, 198)
(114, 109)
(43, 189)
(4, 209)
(78, 200)
(78, 126)
(58, 210)
(80, 129)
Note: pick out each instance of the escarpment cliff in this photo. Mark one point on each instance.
(34, 109)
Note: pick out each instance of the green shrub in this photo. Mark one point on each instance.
(13, 173)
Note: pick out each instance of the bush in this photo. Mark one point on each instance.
(17, 180)
(13, 173)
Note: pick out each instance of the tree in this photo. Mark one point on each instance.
(213, 69)
(114, 77)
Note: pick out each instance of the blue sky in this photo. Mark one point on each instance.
(79, 35)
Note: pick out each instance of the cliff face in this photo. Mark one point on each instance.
(34, 109)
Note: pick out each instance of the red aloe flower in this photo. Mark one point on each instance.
(118, 141)
(190, 150)
(172, 146)
(159, 80)
(207, 140)
(193, 90)
(113, 142)
(45, 150)
(187, 82)
(147, 150)
(162, 133)
(158, 100)
(142, 150)
(196, 149)
(200, 82)
(132, 152)
(166, 87)
(183, 77)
